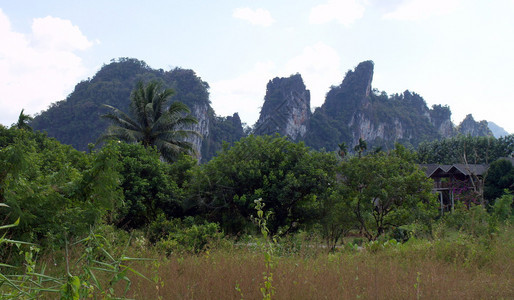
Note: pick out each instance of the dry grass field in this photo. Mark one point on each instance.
(416, 270)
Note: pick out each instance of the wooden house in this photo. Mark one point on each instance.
(458, 182)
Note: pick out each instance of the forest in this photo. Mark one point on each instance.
(136, 216)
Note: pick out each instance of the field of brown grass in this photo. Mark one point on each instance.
(416, 270)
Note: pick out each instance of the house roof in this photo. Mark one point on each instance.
(469, 169)
(431, 169)
(445, 170)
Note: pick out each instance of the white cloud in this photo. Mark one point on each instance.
(343, 11)
(39, 68)
(51, 33)
(243, 94)
(318, 64)
(259, 16)
(412, 10)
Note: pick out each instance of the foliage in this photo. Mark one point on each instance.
(97, 273)
(465, 149)
(149, 186)
(23, 120)
(62, 190)
(267, 290)
(152, 123)
(388, 190)
(500, 176)
(502, 208)
(336, 215)
(188, 236)
(288, 176)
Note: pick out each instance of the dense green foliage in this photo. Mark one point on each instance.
(52, 188)
(287, 176)
(388, 190)
(465, 149)
(500, 176)
(148, 186)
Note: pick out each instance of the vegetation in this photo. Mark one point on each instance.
(152, 122)
(265, 218)
(65, 235)
(465, 149)
(76, 120)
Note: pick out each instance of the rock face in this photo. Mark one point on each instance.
(471, 127)
(201, 113)
(354, 110)
(286, 109)
(440, 117)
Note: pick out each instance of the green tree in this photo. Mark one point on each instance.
(465, 149)
(336, 215)
(360, 147)
(151, 123)
(388, 190)
(287, 176)
(343, 149)
(150, 186)
(500, 176)
(23, 120)
(52, 188)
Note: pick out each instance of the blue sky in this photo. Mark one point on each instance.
(454, 52)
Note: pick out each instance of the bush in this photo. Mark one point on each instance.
(502, 209)
(474, 221)
(188, 238)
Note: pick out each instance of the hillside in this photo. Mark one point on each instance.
(352, 110)
(76, 120)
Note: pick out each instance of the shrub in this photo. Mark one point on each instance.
(192, 238)
(502, 209)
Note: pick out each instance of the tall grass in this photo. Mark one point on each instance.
(418, 269)
(452, 265)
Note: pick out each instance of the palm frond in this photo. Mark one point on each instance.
(152, 123)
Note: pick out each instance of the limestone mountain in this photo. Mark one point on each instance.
(352, 110)
(355, 110)
(286, 109)
(469, 126)
(76, 120)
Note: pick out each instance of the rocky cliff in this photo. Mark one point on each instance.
(286, 109)
(352, 110)
(355, 110)
(469, 126)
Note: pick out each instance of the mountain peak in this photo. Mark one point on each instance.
(286, 108)
(469, 126)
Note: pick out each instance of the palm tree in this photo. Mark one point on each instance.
(151, 123)
(361, 147)
(23, 120)
(343, 149)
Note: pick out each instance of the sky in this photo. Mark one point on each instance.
(451, 52)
